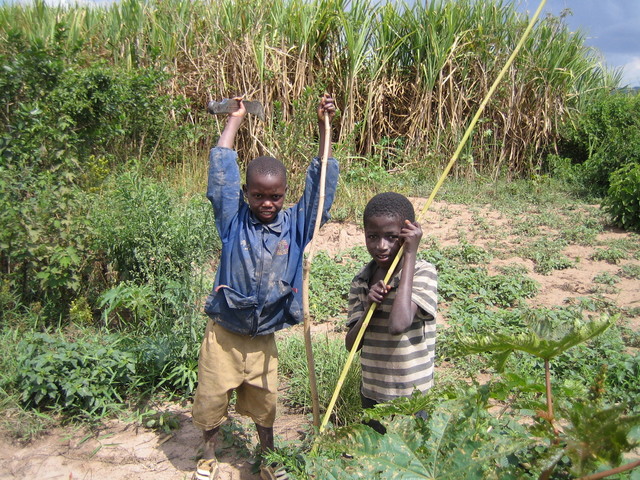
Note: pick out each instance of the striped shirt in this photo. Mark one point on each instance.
(395, 365)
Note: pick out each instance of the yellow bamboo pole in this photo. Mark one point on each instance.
(446, 171)
(306, 271)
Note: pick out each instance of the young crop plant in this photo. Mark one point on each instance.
(463, 283)
(605, 278)
(630, 243)
(603, 288)
(631, 271)
(162, 421)
(547, 255)
(458, 439)
(592, 434)
(580, 234)
(482, 223)
(467, 253)
(611, 255)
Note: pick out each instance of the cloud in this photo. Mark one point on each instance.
(631, 76)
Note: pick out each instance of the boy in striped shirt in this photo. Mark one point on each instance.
(398, 347)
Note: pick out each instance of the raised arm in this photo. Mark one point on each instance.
(224, 185)
(308, 203)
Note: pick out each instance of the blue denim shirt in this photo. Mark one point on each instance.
(258, 286)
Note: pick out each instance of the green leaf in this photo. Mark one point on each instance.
(544, 336)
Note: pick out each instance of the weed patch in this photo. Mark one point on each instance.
(547, 255)
(611, 255)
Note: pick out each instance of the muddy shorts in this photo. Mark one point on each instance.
(228, 362)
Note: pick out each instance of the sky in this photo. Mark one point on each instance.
(612, 27)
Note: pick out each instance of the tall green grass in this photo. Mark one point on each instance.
(415, 73)
(331, 356)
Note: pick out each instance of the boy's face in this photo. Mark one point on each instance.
(382, 237)
(265, 195)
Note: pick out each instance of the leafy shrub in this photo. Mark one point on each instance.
(563, 170)
(155, 248)
(44, 238)
(146, 232)
(181, 376)
(368, 172)
(458, 439)
(169, 361)
(622, 202)
(9, 303)
(95, 109)
(132, 305)
(88, 375)
(604, 138)
(575, 370)
(120, 114)
(61, 125)
(80, 312)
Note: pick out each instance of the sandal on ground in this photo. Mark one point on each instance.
(206, 470)
(273, 472)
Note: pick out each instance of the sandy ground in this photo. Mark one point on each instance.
(121, 450)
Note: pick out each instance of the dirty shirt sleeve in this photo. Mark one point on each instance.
(307, 206)
(223, 188)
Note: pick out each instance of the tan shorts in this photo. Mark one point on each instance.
(248, 365)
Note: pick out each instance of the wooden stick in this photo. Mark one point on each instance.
(306, 270)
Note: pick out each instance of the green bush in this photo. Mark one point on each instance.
(58, 108)
(145, 231)
(604, 138)
(169, 361)
(87, 375)
(623, 200)
(44, 239)
(62, 127)
(120, 113)
(155, 248)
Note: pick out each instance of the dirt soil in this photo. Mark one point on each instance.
(120, 450)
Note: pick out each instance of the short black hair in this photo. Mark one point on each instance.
(389, 204)
(266, 167)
